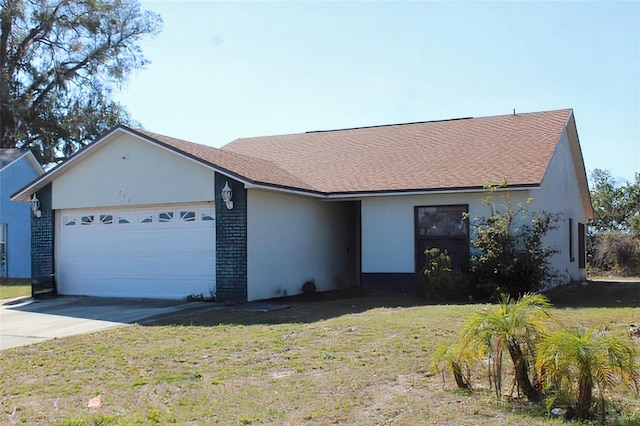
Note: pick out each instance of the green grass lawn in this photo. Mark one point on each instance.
(11, 291)
(355, 361)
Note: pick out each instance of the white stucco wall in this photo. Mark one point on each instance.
(292, 239)
(388, 226)
(129, 171)
(559, 193)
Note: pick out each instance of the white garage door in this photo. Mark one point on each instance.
(165, 252)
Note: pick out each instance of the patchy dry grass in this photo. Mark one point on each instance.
(11, 291)
(356, 361)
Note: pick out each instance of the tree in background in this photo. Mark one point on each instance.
(613, 240)
(59, 62)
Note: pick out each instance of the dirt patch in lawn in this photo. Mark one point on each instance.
(309, 308)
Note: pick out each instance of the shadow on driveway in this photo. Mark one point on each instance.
(32, 321)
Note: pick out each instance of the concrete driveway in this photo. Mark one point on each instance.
(28, 321)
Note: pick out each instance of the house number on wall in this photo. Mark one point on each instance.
(124, 196)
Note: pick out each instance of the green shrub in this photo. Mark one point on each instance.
(509, 255)
(441, 279)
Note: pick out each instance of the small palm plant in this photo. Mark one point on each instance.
(515, 327)
(457, 361)
(587, 358)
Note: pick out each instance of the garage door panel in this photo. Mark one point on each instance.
(140, 288)
(140, 268)
(157, 259)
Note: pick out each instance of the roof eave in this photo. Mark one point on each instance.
(578, 162)
(24, 195)
(429, 191)
(343, 196)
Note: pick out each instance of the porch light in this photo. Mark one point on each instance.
(226, 196)
(35, 206)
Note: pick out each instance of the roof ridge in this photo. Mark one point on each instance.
(436, 121)
(226, 146)
(389, 125)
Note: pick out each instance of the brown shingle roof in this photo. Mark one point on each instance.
(453, 154)
(255, 169)
(443, 155)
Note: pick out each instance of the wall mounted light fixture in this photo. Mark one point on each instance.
(227, 193)
(35, 206)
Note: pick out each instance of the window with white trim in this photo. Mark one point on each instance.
(208, 214)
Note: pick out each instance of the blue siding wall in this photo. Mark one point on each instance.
(231, 243)
(17, 216)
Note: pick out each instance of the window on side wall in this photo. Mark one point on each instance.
(582, 250)
(572, 257)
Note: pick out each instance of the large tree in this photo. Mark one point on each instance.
(59, 62)
(616, 205)
(613, 243)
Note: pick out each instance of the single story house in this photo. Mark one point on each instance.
(138, 214)
(17, 168)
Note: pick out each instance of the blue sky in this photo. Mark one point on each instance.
(225, 70)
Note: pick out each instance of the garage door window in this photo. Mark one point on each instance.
(165, 217)
(188, 216)
(86, 220)
(106, 219)
(207, 214)
(124, 218)
(145, 217)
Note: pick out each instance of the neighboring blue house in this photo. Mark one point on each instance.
(17, 168)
